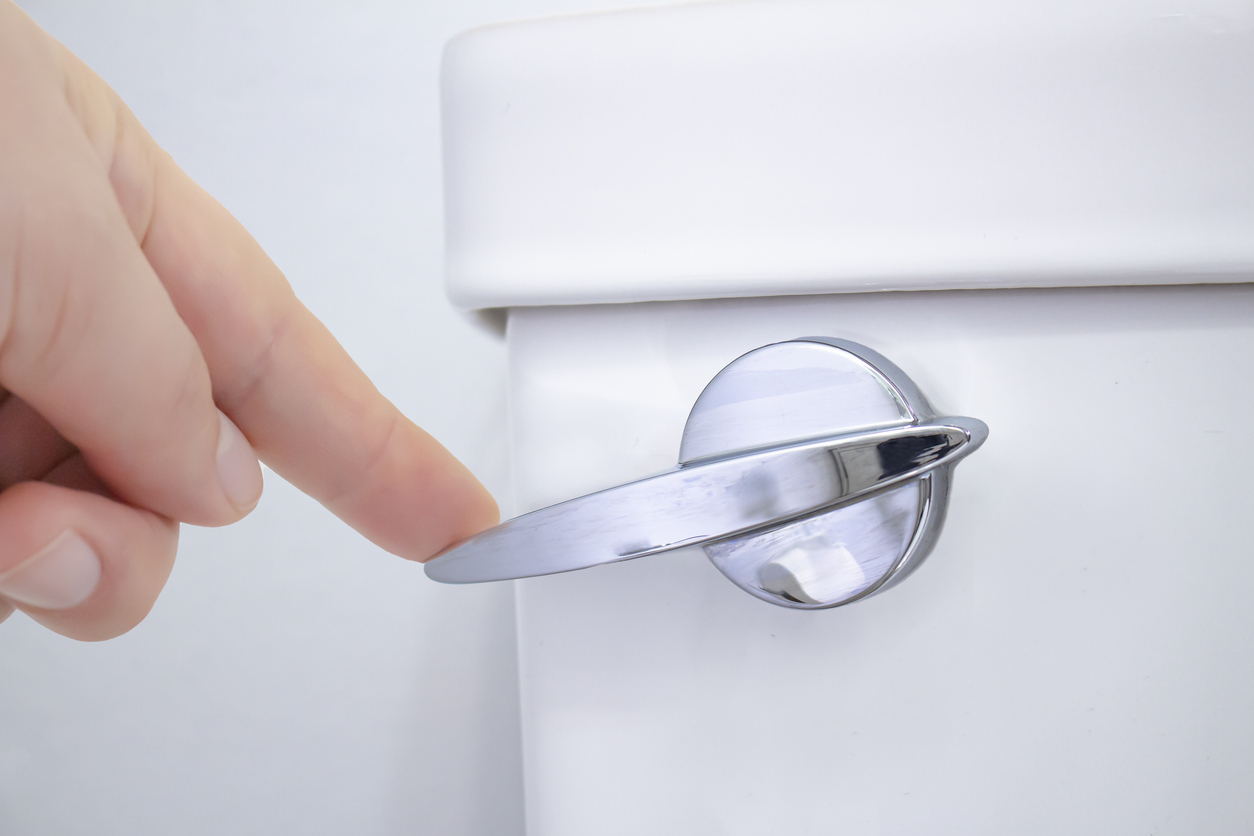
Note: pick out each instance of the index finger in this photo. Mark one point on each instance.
(305, 406)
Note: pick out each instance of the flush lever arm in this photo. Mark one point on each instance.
(704, 502)
(813, 472)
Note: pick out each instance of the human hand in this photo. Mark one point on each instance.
(141, 330)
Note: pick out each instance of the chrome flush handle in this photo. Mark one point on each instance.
(813, 473)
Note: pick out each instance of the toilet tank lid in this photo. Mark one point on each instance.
(770, 147)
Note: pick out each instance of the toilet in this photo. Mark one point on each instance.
(1043, 214)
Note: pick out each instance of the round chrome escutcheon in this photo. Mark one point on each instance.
(820, 387)
(812, 472)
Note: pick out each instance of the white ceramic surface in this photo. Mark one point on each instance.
(809, 146)
(1073, 658)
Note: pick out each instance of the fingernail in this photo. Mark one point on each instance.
(59, 576)
(237, 465)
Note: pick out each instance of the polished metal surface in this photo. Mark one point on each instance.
(813, 472)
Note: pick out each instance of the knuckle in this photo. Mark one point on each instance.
(44, 318)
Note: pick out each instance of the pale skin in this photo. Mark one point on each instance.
(150, 354)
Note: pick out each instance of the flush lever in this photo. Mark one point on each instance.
(812, 472)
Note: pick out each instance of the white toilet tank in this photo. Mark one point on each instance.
(1044, 214)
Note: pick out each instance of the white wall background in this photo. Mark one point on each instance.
(293, 678)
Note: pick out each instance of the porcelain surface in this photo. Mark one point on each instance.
(1073, 657)
(770, 147)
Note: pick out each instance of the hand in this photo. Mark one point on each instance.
(147, 348)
